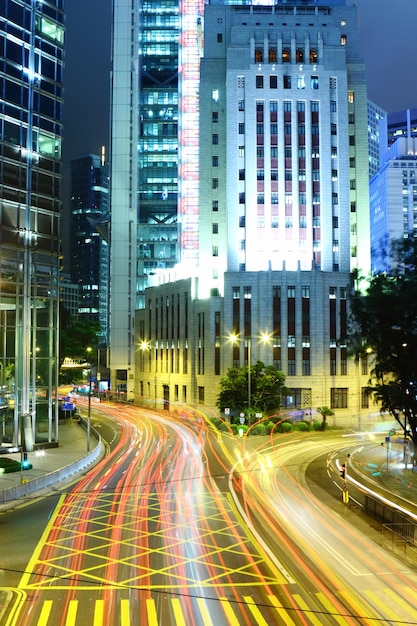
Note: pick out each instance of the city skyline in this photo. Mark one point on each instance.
(388, 44)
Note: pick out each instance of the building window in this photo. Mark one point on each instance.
(352, 183)
(219, 37)
(286, 55)
(215, 205)
(287, 81)
(242, 197)
(215, 183)
(215, 251)
(215, 139)
(333, 106)
(352, 162)
(241, 151)
(240, 105)
(338, 398)
(259, 56)
(343, 40)
(351, 140)
(301, 82)
(313, 56)
(351, 97)
(215, 229)
(274, 174)
(215, 161)
(272, 55)
(260, 174)
(214, 117)
(299, 55)
(364, 398)
(241, 128)
(215, 95)
(241, 174)
(259, 82)
(333, 129)
(287, 106)
(314, 82)
(273, 82)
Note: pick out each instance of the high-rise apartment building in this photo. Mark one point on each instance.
(31, 66)
(282, 212)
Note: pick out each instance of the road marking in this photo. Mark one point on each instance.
(381, 605)
(310, 612)
(151, 610)
(331, 609)
(178, 614)
(204, 612)
(72, 613)
(281, 611)
(99, 613)
(124, 612)
(230, 614)
(46, 610)
(255, 611)
(399, 600)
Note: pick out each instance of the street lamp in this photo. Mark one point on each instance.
(89, 405)
(264, 338)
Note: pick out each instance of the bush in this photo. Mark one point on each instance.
(259, 429)
(285, 427)
(317, 425)
(268, 427)
(303, 426)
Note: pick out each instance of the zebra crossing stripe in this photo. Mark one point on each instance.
(72, 613)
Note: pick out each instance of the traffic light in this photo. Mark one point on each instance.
(343, 471)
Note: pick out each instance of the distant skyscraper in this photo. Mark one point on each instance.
(31, 66)
(393, 200)
(282, 213)
(89, 260)
(375, 115)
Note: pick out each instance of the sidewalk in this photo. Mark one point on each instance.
(52, 465)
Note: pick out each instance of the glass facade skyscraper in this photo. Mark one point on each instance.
(31, 67)
(158, 137)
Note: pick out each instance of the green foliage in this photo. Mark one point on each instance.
(285, 427)
(384, 324)
(76, 336)
(267, 387)
(325, 412)
(259, 429)
(318, 426)
(268, 427)
(303, 426)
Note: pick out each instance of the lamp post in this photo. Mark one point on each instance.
(264, 338)
(89, 406)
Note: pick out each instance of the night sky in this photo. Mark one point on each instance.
(389, 47)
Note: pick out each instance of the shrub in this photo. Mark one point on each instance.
(317, 425)
(303, 426)
(259, 429)
(285, 427)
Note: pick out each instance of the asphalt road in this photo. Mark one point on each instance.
(181, 526)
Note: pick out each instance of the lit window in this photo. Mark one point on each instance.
(215, 95)
(343, 40)
(301, 82)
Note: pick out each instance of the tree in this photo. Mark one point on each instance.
(325, 412)
(76, 336)
(267, 386)
(384, 323)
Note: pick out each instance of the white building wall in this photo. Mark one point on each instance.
(123, 180)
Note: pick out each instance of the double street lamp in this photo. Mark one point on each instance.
(234, 339)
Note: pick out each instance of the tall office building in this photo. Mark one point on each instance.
(89, 260)
(154, 205)
(31, 66)
(375, 115)
(281, 216)
(393, 187)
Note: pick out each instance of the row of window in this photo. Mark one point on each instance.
(287, 82)
(300, 55)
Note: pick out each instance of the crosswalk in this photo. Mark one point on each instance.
(221, 611)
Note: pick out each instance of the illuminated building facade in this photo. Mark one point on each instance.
(89, 259)
(31, 67)
(283, 212)
(153, 203)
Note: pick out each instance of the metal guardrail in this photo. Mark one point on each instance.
(52, 478)
(401, 539)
